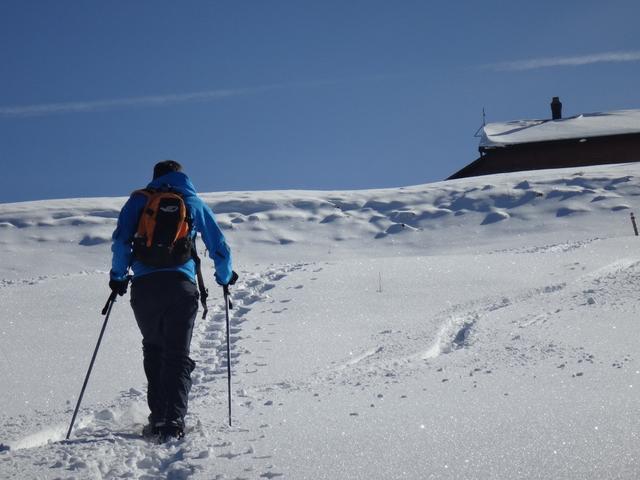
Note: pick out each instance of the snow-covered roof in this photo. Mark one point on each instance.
(582, 126)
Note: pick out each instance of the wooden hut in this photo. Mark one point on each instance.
(587, 139)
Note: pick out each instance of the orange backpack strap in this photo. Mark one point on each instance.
(145, 224)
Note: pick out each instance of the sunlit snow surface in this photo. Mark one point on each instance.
(478, 328)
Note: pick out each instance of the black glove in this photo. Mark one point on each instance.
(232, 281)
(119, 286)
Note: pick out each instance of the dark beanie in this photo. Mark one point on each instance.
(164, 167)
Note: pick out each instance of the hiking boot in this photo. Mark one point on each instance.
(171, 431)
(152, 428)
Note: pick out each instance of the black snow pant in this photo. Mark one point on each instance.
(165, 305)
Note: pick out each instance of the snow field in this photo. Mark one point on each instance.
(482, 328)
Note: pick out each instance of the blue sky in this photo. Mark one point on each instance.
(254, 95)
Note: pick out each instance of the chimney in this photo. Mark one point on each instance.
(556, 108)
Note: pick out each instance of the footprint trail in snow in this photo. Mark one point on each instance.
(106, 441)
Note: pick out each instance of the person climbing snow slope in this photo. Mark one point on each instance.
(155, 239)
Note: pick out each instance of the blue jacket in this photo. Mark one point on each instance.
(203, 221)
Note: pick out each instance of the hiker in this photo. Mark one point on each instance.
(164, 295)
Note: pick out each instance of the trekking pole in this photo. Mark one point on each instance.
(227, 306)
(105, 311)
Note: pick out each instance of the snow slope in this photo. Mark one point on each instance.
(477, 328)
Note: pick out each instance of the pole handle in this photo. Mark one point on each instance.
(204, 293)
(110, 300)
(227, 296)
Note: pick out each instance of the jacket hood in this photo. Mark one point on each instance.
(177, 181)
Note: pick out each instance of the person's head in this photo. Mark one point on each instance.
(164, 167)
